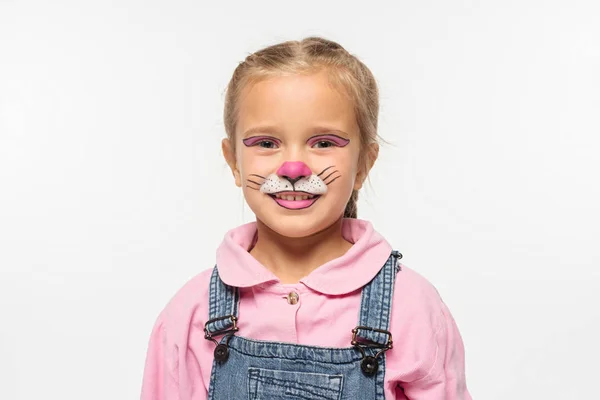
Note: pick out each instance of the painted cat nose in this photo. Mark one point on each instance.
(294, 169)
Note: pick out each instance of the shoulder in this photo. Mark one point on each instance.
(416, 302)
(180, 321)
(427, 343)
(189, 305)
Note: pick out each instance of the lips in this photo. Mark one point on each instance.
(295, 200)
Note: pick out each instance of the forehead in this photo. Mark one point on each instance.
(296, 103)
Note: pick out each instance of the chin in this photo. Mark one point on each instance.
(298, 226)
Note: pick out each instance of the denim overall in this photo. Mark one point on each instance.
(263, 370)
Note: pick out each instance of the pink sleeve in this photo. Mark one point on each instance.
(160, 379)
(446, 378)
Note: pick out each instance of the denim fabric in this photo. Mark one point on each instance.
(264, 370)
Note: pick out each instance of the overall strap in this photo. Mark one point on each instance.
(372, 336)
(223, 306)
(376, 304)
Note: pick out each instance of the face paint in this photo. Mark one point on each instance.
(262, 141)
(334, 140)
(294, 170)
(294, 186)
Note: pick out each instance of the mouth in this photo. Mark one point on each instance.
(294, 196)
(294, 200)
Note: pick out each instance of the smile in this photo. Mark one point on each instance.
(294, 200)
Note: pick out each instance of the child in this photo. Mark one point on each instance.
(308, 302)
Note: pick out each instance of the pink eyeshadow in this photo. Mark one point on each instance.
(251, 141)
(338, 140)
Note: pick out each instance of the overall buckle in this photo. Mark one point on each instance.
(369, 364)
(221, 352)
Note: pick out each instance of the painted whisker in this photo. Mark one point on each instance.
(330, 175)
(322, 172)
(333, 180)
(253, 182)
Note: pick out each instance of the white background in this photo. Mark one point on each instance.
(113, 191)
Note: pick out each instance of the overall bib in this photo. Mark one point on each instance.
(262, 370)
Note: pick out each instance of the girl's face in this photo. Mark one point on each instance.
(296, 155)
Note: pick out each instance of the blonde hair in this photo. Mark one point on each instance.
(310, 55)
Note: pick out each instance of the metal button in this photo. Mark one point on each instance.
(292, 297)
(369, 365)
(221, 353)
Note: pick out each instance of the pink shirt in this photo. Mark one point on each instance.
(427, 359)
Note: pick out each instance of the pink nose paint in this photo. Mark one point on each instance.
(294, 169)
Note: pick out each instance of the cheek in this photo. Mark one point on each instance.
(347, 164)
(252, 164)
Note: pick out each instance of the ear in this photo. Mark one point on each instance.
(368, 160)
(229, 154)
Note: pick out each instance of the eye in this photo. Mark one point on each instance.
(326, 141)
(322, 144)
(267, 144)
(262, 141)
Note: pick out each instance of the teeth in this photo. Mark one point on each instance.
(294, 198)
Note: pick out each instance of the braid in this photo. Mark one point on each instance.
(351, 210)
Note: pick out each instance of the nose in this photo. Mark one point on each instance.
(294, 170)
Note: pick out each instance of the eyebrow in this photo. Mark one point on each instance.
(317, 131)
(260, 129)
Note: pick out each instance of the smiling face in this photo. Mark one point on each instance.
(296, 152)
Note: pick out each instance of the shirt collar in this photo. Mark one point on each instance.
(339, 276)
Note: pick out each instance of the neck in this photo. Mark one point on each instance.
(291, 259)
